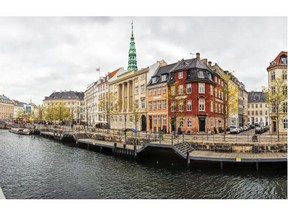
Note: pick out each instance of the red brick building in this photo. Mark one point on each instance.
(196, 96)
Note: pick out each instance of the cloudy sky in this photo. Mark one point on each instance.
(41, 54)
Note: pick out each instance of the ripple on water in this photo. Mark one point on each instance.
(32, 167)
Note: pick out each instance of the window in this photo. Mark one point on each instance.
(143, 102)
(181, 107)
(136, 89)
(173, 107)
(189, 106)
(248, 112)
(283, 59)
(154, 105)
(173, 90)
(164, 90)
(284, 107)
(211, 106)
(159, 91)
(180, 89)
(131, 118)
(154, 80)
(164, 104)
(266, 113)
(284, 90)
(211, 90)
(189, 123)
(256, 119)
(273, 90)
(285, 122)
(180, 75)
(136, 104)
(150, 105)
(284, 75)
(260, 112)
(155, 120)
(120, 118)
(260, 105)
(188, 89)
(142, 77)
(273, 75)
(154, 91)
(181, 123)
(256, 105)
(142, 88)
(201, 104)
(200, 74)
(252, 112)
(201, 87)
(164, 121)
(273, 107)
(159, 105)
(163, 78)
(149, 92)
(256, 112)
(252, 105)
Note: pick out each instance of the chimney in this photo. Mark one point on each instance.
(210, 63)
(198, 55)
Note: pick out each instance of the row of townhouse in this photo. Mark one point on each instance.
(12, 109)
(187, 95)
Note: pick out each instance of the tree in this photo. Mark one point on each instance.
(57, 112)
(230, 101)
(176, 104)
(275, 96)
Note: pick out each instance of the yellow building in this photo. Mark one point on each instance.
(6, 108)
(73, 100)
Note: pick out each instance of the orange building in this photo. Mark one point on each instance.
(157, 100)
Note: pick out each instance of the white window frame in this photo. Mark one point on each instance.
(189, 86)
(201, 88)
(180, 75)
(201, 104)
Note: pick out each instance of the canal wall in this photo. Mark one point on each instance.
(188, 151)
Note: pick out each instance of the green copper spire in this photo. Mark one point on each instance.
(132, 62)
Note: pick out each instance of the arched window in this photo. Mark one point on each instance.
(283, 59)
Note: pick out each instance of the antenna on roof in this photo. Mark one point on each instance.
(192, 54)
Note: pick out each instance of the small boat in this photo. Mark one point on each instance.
(22, 131)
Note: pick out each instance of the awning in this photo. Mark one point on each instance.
(131, 130)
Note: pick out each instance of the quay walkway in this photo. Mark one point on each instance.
(190, 148)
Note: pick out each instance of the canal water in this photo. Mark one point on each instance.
(32, 167)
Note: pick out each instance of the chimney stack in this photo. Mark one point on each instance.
(210, 63)
(198, 55)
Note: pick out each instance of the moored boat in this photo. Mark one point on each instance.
(23, 131)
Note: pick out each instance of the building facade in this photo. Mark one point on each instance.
(257, 109)
(196, 96)
(157, 100)
(6, 108)
(127, 92)
(278, 70)
(73, 100)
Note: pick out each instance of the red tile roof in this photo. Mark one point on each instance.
(111, 74)
(276, 61)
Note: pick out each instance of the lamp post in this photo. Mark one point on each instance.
(125, 115)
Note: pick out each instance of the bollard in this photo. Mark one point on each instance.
(221, 164)
(188, 159)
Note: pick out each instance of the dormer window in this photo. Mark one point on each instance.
(283, 59)
(200, 74)
(209, 76)
(163, 78)
(154, 79)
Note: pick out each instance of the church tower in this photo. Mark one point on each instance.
(132, 62)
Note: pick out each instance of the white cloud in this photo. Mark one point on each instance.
(41, 54)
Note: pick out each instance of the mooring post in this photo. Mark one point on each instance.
(113, 150)
(188, 159)
(101, 149)
(221, 164)
(135, 151)
(257, 166)
(88, 147)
